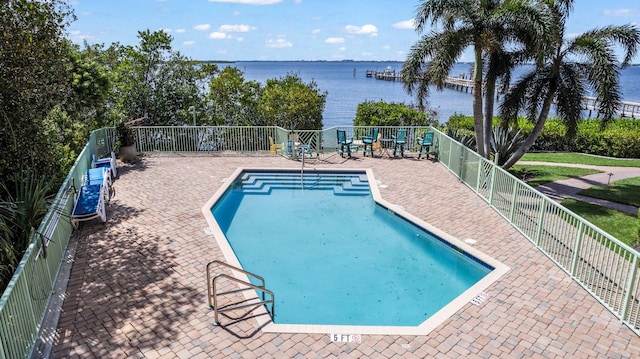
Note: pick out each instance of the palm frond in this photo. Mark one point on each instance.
(571, 90)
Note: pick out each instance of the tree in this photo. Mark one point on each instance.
(154, 82)
(292, 104)
(570, 69)
(486, 26)
(33, 80)
(234, 101)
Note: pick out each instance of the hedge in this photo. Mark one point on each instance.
(621, 137)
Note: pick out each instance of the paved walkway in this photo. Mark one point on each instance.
(137, 287)
(569, 188)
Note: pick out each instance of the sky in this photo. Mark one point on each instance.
(285, 30)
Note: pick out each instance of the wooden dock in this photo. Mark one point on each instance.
(627, 109)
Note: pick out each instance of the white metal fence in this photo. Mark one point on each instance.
(603, 265)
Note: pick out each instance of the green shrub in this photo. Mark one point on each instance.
(380, 113)
(620, 138)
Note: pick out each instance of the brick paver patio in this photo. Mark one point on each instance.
(138, 289)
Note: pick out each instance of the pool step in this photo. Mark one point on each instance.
(260, 183)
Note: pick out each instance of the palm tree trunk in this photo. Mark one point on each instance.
(478, 124)
(490, 93)
(535, 132)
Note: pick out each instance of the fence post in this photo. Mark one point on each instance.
(576, 249)
(628, 297)
(449, 159)
(493, 177)
(543, 209)
(513, 201)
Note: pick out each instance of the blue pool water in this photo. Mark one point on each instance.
(332, 256)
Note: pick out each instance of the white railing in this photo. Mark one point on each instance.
(602, 264)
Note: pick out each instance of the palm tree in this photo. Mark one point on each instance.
(486, 25)
(570, 69)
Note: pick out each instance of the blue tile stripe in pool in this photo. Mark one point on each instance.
(264, 183)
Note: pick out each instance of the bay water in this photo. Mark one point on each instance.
(346, 85)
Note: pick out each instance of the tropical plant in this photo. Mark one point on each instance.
(569, 70)
(463, 136)
(30, 195)
(8, 258)
(504, 142)
(125, 135)
(487, 26)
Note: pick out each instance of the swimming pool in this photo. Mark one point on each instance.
(334, 256)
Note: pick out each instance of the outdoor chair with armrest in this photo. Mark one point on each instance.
(425, 144)
(368, 141)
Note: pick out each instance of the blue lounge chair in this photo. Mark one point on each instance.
(425, 144)
(108, 162)
(100, 176)
(398, 141)
(89, 204)
(345, 145)
(368, 141)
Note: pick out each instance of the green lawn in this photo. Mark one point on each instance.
(536, 175)
(620, 225)
(626, 191)
(561, 157)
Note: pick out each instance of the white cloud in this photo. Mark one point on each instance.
(342, 48)
(362, 30)
(240, 39)
(237, 13)
(334, 40)
(181, 31)
(621, 12)
(278, 43)
(234, 28)
(202, 27)
(386, 47)
(188, 43)
(405, 25)
(315, 31)
(249, 2)
(78, 37)
(219, 35)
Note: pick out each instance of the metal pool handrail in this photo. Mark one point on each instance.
(212, 293)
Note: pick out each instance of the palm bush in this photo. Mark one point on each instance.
(26, 201)
(7, 253)
(505, 142)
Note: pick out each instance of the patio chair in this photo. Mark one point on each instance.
(398, 141)
(425, 144)
(345, 145)
(275, 147)
(100, 176)
(304, 150)
(368, 141)
(109, 162)
(89, 204)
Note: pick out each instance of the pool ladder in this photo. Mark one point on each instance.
(213, 294)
